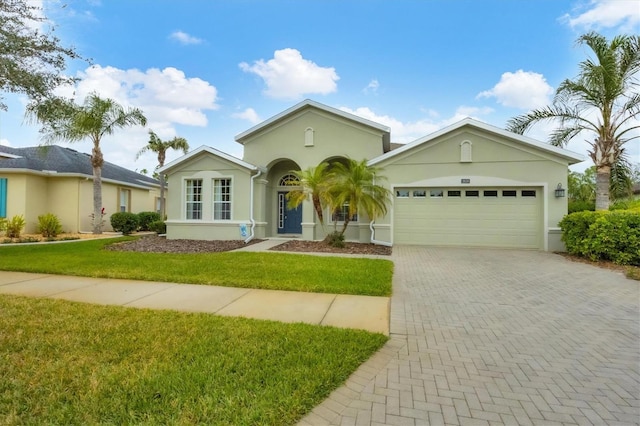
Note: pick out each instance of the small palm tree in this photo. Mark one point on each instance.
(63, 120)
(161, 147)
(603, 100)
(312, 183)
(356, 184)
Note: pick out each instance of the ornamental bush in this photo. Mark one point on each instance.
(49, 225)
(158, 226)
(603, 235)
(14, 226)
(125, 222)
(146, 218)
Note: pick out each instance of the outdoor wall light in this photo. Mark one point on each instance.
(559, 191)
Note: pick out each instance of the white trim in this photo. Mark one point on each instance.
(209, 150)
(572, 157)
(309, 103)
(143, 185)
(231, 196)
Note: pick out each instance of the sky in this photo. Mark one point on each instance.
(209, 70)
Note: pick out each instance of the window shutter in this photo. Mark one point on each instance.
(3, 197)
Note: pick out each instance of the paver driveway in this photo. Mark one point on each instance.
(499, 337)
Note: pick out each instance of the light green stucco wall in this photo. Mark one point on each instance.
(332, 136)
(208, 167)
(496, 161)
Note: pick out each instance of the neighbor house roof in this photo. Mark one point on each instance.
(55, 159)
(570, 156)
(308, 103)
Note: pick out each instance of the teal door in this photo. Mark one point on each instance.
(289, 220)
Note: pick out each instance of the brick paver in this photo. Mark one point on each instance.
(482, 337)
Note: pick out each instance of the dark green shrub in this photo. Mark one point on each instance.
(335, 239)
(124, 222)
(49, 225)
(158, 226)
(146, 218)
(14, 226)
(603, 235)
(581, 205)
(615, 237)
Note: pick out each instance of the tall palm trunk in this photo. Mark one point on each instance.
(97, 161)
(603, 177)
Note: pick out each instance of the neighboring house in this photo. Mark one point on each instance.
(470, 184)
(53, 179)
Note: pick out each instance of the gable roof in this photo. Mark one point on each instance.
(212, 151)
(570, 156)
(60, 160)
(308, 103)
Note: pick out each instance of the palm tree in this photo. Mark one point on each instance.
(354, 184)
(63, 120)
(312, 183)
(161, 147)
(603, 100)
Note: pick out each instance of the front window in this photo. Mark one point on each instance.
(125, 197)
(194, 199)
(222, 199)
(342, 213)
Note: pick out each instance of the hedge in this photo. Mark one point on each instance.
(604, 235)
(125, 222)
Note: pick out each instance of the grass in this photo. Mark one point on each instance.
(70, 363)
(275, 271)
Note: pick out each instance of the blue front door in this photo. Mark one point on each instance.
(289, 221)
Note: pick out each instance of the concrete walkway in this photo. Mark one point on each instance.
(498, 337)
(338, 310)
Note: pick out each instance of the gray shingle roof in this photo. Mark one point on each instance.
(65, 160)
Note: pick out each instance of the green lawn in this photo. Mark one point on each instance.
(70, 363)
(233, 269)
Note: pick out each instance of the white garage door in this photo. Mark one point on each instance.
(472, 217)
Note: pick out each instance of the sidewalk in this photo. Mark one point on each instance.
(338, 310)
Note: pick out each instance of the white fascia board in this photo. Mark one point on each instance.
(573, 157)
(306, 103)
(212, 151)
(142, 185)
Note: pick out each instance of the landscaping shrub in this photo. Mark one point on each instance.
(627, 204)
(335, 239)
(14, 226)
(124, 222)
(49, 225)
(581, 205)
(158, 226)
(146, 218)
(3, 224)
(603, 235)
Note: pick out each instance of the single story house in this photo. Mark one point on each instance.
(469, 184)
(53, 179)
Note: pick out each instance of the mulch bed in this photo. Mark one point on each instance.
(156, 244)
(322, 247)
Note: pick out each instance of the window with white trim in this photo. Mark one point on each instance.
(125, 200)
(193, 199)
(222, 199)
(343, 212)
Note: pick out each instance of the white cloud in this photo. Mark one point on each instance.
(184, 38)
(248, 114)
(405, 132)
(166, 97)
(606, 14)
(289, 76)
(372, 86)
(5, 142)
(522, 89)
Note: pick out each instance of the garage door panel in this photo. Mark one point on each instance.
(469, 221)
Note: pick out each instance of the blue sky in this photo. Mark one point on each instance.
(209, 70)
